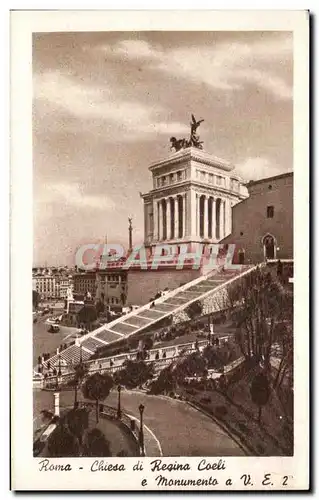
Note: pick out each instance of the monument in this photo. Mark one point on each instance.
(190, 204)
(192, 197)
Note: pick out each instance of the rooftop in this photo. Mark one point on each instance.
(268, 179)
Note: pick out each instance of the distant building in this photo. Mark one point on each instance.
(262, 225)
(65, 287)
(111, 287)
(47, 286)
(84, 282)
(51, 285)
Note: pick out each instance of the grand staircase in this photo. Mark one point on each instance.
(147, 315)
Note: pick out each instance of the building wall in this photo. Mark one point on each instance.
(112, 284)
(250, 222)
(143, 285)
(84, 282)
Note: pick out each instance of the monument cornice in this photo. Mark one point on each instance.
(190, 154)
(187, 185)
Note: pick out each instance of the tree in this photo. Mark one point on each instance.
(96, 388)
(77, 420)
(193, 364)
(134, 373)
(80, 371)
(96, 444)
(285, 353)
(260, 391)
(194, 309)
(165, 383)
(35, 299)
(148, 343)
(100, 307)
(257, 302)
(62, 443)
(87, 315)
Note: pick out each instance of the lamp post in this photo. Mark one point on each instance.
(141, 435)
(119, 402)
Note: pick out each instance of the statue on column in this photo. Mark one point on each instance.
(193, 140)
(130, 229)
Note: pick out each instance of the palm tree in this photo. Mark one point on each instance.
(96, 388)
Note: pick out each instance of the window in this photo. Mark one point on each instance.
(270, 187)
(270, 212)
(171, 178)
(163, 180)
(241, 233)
(179, 176)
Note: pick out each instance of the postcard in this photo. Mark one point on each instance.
(159, 250)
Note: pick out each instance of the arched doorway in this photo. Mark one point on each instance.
(269, 244)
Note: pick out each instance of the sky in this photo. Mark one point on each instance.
(106, 104)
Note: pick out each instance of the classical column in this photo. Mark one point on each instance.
(176, 217)
(228, 218)
(205, 217)
(197, 214)
(222, 219)
(155, 220)
(160, 220)
(192, 213)
(168, 218)
(184, 215)
(214, 218)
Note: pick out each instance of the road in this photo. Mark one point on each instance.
(180, 429)
(43, 341)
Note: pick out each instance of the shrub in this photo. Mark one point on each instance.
(260, 449)
(242, 427)
(205, 399)
(191, 392)
(221, 411)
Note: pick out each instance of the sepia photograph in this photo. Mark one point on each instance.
(163, 244)
(163, 253)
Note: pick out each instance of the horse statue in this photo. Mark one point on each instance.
(178, 144)
(193, 140)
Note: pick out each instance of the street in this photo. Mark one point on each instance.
(44, 341)
(180, 429)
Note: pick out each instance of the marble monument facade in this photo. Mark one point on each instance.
(191, 200)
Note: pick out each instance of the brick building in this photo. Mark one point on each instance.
(262, 224)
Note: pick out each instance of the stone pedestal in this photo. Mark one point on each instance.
(57, 404)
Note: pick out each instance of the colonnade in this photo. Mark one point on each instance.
(210, 217)
(170, 217)
(211, 220)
